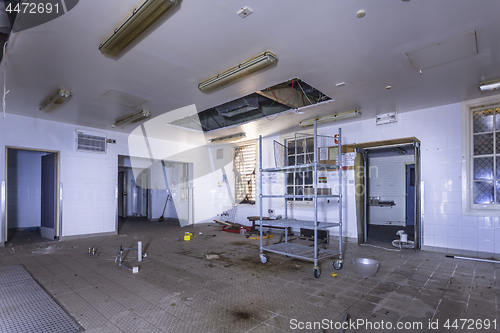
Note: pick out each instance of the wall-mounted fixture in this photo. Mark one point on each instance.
(333, 117)
(488, 86)
(386, 118)
(55, 101)
(229, 138)
(250, 66)
(141, 20)
(133, 118)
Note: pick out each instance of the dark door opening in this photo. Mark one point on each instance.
(31, 196)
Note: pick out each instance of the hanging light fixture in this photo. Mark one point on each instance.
(333, 117)
(55, 101)
(250, 66)
(148, 13)
(133, 118)
(488, 86)
(229, 138)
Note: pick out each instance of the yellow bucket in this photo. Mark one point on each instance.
(188, 236)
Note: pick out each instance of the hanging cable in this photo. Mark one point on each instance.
(305, 93)
(257, 102)
(215, 120)
(5, 91)
(277, 100)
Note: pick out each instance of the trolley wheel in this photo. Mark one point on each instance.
(263, 259)
(337, 264)
(317, 272)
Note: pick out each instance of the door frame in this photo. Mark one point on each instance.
(408, 166)
(418, 180)
(58, 226)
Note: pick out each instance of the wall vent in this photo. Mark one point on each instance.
(90, 142)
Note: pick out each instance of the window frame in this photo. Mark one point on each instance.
(468, 205)
(254, 189)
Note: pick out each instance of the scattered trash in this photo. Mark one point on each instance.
(212, 256)
(92, 251)
(263, 237)
(178, 238)
(135, 269)
(201, 233)
(333, 274)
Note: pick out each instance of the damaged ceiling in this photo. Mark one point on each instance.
(354, 61)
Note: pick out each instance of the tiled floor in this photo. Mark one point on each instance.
(178, 290)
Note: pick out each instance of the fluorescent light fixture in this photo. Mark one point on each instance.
(141, 20)
(133, 118)
(386, 118)
(55, 101)
(265, 59)
(488, 86)
(333, 117)
(229, 138)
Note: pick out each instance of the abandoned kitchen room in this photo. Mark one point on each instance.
(250, 166)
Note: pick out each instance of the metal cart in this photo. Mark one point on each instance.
(297, 250)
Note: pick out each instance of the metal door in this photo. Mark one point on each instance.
(48, 196)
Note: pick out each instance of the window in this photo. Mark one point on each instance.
(300, 151)
(244, 173)
(485, 156)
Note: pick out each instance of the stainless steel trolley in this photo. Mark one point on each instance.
(297, 250)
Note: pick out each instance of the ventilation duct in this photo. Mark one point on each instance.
(90, 142)
(236, 107)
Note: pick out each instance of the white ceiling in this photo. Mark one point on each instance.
(320, 42)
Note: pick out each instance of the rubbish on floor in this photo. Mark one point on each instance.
(494, 261)
(403, 242)
(333, 274)
(365, 267)
(233, 227)
(212, 256)
(263, 237)
(120, 258)
(188, 236)
(135, 269)
(92, 251)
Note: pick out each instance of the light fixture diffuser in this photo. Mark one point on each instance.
(333, 117)
(229, 138)
(265, 59)
(148, 13)
(133, 118)
(488, 86)
(386, 118)
(56, 100)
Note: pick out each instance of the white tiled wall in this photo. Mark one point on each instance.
(88, 179)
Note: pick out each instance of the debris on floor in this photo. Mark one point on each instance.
(263, 237)
(212, 256)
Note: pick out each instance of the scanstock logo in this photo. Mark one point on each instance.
(32, 13)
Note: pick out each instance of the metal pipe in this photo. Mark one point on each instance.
(139, 251)
(475, 259)
(260, 190)
(340, 193)
(286, 183)
(315, 177)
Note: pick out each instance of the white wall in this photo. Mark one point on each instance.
(388, 181)
(24, 200)
(88, 179)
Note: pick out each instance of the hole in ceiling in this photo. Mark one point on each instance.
(290, 95)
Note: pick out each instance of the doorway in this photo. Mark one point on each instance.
(390, 203)
(32, 189)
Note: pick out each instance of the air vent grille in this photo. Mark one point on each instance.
(90, 142)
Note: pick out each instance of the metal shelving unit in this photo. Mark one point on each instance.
(297, 250)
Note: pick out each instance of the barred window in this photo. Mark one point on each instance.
(485, 153)
(244, 173)
(300, 151)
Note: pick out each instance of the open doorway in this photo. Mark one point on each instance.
(32, 187)
(390, 203)
(154, 192)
